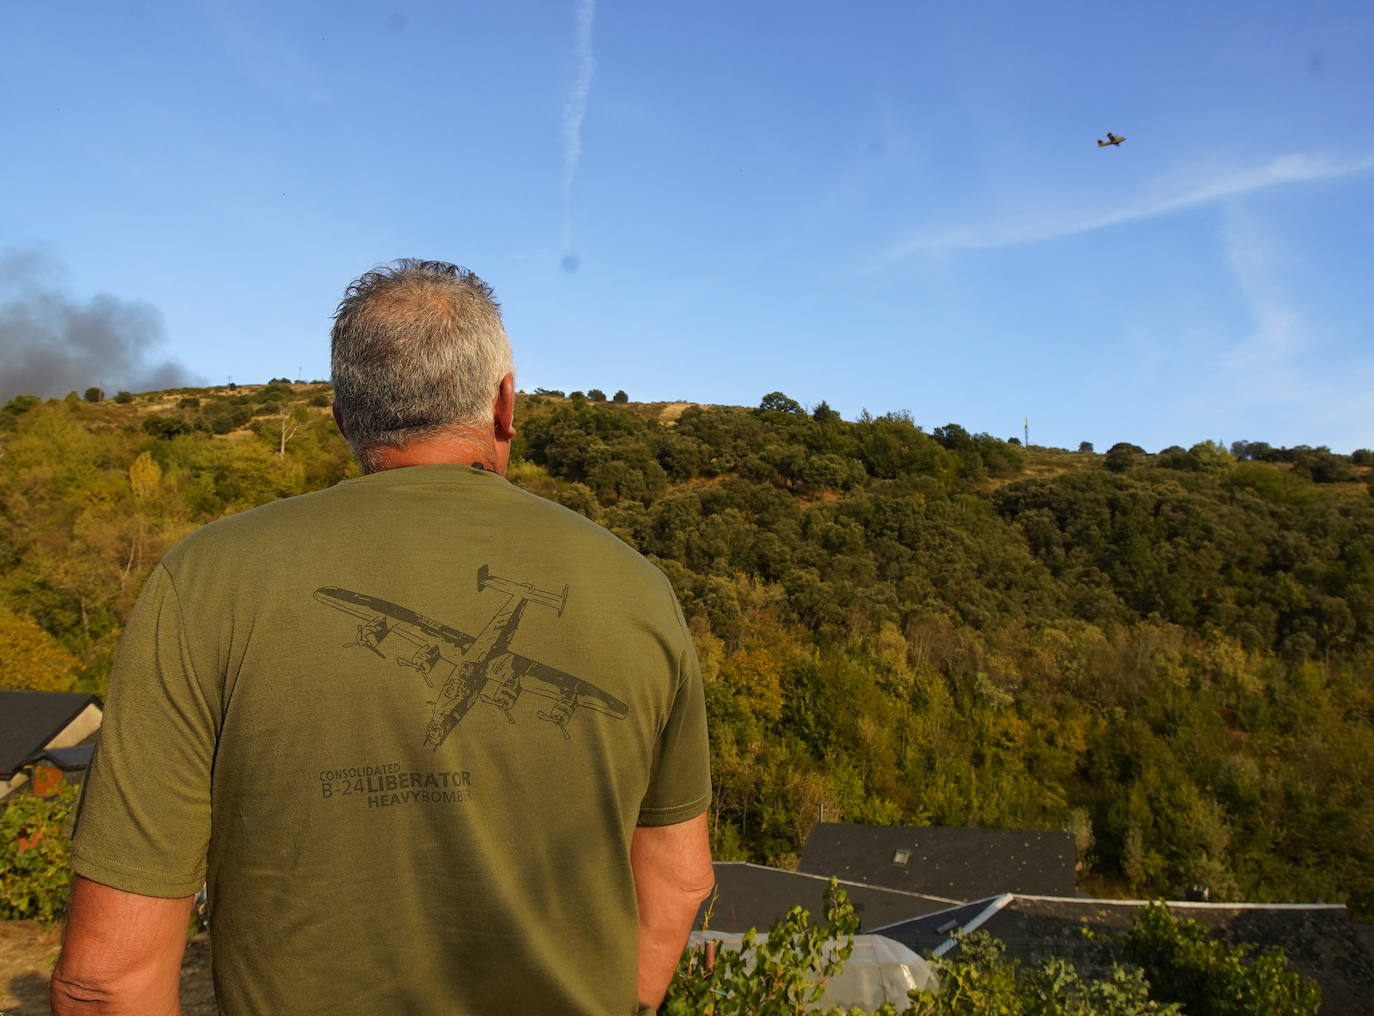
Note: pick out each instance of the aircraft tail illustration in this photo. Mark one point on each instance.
(524, 590)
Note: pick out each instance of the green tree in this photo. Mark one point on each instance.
(824, 414)
(32, 659)
(777, 402)
(1122, 456)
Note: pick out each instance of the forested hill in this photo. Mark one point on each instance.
(1171, 655)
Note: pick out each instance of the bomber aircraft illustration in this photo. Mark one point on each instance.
(1112, 139)
(465, 669)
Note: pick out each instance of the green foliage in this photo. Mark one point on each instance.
(1122, 456)
(1207, 978)
(123, 397)
(93, 394)
(35, 856)
(164, 427)
(777, 402)
(980, 980)
(620, 396)
(782, 974)
(18, 406)
(31, 659)
(1162, 967)
(1173, 659)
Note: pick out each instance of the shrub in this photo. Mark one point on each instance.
(15, 408)
(164, 428)
(35, 856)
(1122, 456)
(980, 979)
(782, 974)
(123, 397)
(1208, 978)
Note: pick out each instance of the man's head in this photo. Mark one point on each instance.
(418, 351)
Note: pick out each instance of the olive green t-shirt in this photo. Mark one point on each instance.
(404, 729)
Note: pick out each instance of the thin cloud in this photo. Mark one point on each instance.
(264, 55)
(1277, 333)
(1283, 361)
(575, 111)
(1166, 197)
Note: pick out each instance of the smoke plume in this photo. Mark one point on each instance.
(52, 343)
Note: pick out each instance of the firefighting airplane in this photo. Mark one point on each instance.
(468, 669)
(1112, 139)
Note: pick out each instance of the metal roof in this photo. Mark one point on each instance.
(961, 863)
(30, 719)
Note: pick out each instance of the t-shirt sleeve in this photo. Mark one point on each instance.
(144, 822)
(680, 781)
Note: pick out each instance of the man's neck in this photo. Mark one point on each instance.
(442, 450)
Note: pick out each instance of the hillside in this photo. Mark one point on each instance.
(1171, 655)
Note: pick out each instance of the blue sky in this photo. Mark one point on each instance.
(887, 206)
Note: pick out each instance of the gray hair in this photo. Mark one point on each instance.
(417, 348)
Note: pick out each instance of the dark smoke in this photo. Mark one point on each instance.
(52, 343)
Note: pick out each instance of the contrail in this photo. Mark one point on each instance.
(576, 111)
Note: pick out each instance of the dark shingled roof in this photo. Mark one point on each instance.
(1320, 940)
(964, 864)
(30, 719)
(754, 896)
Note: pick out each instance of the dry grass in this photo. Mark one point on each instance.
(670, 413)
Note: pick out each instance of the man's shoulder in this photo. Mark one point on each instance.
(578, 534)
(364, 508)
(240, 523)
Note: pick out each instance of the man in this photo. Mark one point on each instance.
(434, 744)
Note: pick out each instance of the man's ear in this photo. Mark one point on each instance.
(503, 409)
(338, 419)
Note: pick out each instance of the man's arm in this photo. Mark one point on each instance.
(672, 872)
(121, 953)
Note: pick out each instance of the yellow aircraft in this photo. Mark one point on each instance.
(1112, 139)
